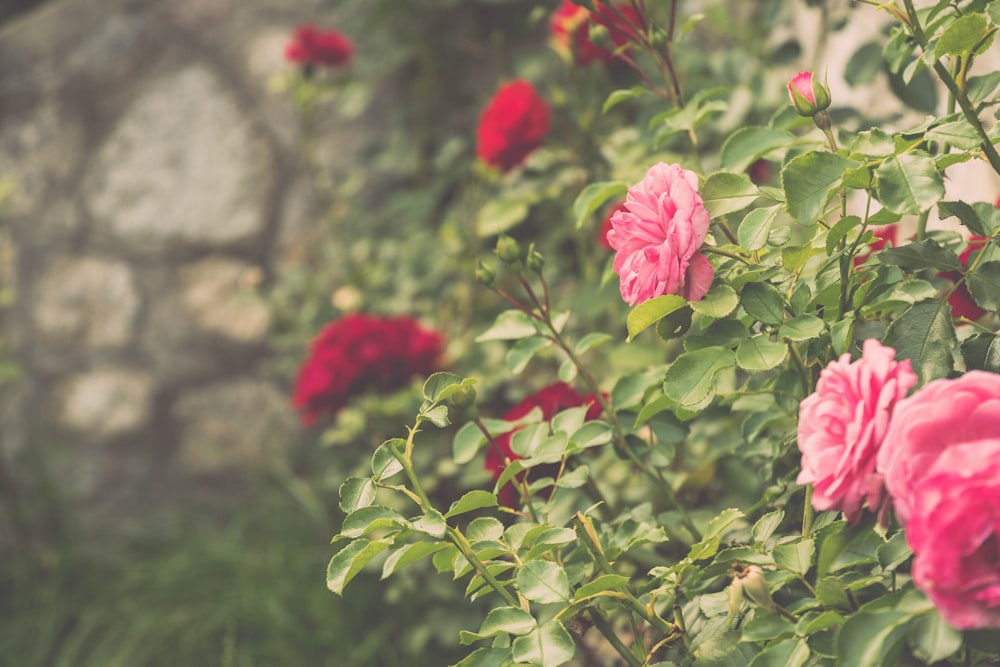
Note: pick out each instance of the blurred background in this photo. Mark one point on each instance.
(180, 211)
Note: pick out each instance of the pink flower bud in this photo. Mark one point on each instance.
(807, 94)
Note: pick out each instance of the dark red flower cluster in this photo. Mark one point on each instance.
(571, 25)
(551, 399)
(513, 124)
(313, 46)
(962, 304)
(359, 353)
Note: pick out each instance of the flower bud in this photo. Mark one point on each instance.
(808, 95)
(485, 275)
(600, 36)
(534, 261)
(750, 580)
(508, 250)
(464, 397)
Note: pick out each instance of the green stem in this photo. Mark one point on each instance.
(460, 541)
(955, 90)
(807, 512)
(601, 623)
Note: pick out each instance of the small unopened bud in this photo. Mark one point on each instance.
(750, 580)
(485, 275)
(600, 36)
(808, 95)
(464, 398)
(534, 261)
(508, 250)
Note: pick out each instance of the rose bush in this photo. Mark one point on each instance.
(571, 25)
(705, 500)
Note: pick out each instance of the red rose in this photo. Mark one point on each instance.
(359, 353)
(962, 304)
(883, 235)
(512, 125)
(571, 26)
(551, 399)
(312, 46)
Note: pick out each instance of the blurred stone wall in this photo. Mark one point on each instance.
(156, 188)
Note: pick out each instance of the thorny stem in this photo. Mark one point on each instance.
(523, 482)
(602, 624)
(954, 89)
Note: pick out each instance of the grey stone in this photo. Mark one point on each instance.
(87, 300)
(183, 167)
(220, 296)
(233, 424)
(106, 402)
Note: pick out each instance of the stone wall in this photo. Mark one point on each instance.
(156, 190)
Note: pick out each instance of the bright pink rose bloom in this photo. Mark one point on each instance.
(313, 46)
(803, 84)
(843, 424)
(939, 416)
(512, 125)
(571, 25)
(551, 399)
(954, 530)
(961, 302)
(883, 235)
(359, 353)
(657, 236)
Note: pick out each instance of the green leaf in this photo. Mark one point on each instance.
(908, 183)
(796, 556)
(431, 523)
(618, 96)
(691, 378)
(605, 582)
(437, 415)
(511, 620)
(965, 213)
(527, 441)
(809, 180)
(924, 335)
(522, 351)
(760, 353)
(765, 627)
(674, 325)
(763, 302)
(873, 143)
(473, 500)
(786, 653)
(594, 196)
(509, 325)
(748, 144)
(467, 442)
(961, 36)
(959, 134)
(384, 462)
(500, 214)
(409, 554)
(921, 255)
(803, 327)
(766, 525)
(592, 434)
(719, 524)
(982, 352)
(486, 657)
(934, 640)
(984, 285)
(355, 493)
(543, 581)
(756, 227)
(349, 561)
(440, 386)
(871, 638)
(590, 341)
(548, 646)
(357, 523)
(720, 301)
(725, 192)
(650, 312)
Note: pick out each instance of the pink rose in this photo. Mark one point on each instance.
(808, 95)
(943, 414)
(953, 531)
(657, 235)
(843, 424)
